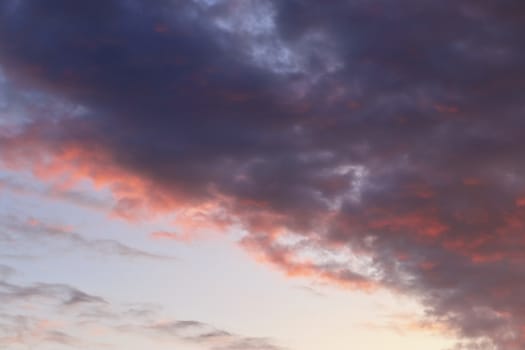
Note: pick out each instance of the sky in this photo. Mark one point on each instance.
(262, 174)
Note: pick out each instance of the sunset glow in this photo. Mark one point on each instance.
(262, 175)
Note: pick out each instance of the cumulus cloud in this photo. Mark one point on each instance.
(390, 158)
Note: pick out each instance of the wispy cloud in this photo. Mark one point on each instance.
(6, 271)
(63, 294)
(31, 230)
(25, 312)
(76, 197)
(73, 309)
(210, 337)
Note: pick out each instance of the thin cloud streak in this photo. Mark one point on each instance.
(33, 230)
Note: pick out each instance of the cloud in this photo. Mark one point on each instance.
(17, 331)
(31, 230)
(25, 320)
(60, 338)
(80, 198)
(389, 156)
(211, 337)
(171, 236)
(64, 295)
(6, 271)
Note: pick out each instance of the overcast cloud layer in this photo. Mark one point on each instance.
(370, 144)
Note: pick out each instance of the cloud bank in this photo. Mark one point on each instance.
(370, 143)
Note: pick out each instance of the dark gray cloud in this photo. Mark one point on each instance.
(385, 137)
